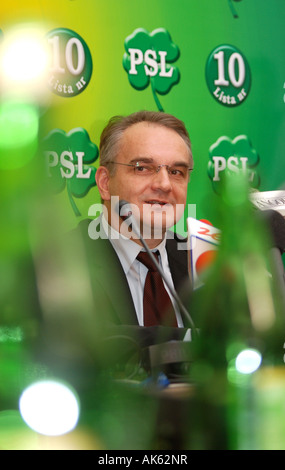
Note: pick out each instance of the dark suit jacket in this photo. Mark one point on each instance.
(109, 281)
(113, 305)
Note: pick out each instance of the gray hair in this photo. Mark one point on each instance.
(112, 133)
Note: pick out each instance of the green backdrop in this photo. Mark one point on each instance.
(216, 64)
(186, 35)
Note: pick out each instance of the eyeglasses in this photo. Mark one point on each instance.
(176, 172)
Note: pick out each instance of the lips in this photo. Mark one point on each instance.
(160, 203)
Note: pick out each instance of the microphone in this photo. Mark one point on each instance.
(276, 225)
(203, 242)
(277, 228)
(127, 208)
(269, 200)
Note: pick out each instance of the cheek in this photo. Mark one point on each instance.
(126, 188)
(180, 195)
(137, 191)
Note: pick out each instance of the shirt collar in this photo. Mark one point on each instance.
(126, 249)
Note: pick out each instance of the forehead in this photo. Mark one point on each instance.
(154, 141)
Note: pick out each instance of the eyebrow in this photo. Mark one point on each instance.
(150, 160)
(142, 159)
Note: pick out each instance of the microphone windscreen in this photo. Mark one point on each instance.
(120, 205)
(123, 208)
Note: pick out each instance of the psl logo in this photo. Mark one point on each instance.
(149, 59)
(233, 155)
(68, 158)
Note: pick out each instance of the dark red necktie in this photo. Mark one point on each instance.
(158, 309)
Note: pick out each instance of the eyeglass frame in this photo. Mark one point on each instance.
(158, 167)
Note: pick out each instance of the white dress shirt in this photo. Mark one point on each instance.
(127, 251)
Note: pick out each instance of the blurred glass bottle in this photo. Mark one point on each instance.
(241, 323)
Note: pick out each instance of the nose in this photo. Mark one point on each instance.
(161, 180)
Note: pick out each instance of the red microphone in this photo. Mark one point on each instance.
(204, 239)
(204, 262)
(205, 221)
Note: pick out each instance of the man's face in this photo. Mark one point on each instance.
(159, 198)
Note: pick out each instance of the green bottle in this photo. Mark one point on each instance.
(241, 327)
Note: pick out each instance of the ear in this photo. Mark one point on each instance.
(102, 177)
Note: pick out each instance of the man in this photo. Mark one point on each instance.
(146, 160)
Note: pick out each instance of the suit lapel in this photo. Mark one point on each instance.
(117, 287)
(178, 263)
(108, 279)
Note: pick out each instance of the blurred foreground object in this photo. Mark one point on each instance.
(24, 61)
(242, 334)
(19, 126)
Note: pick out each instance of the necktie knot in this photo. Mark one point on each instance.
(145, 259)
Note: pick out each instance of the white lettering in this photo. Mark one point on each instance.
(241, 95)
(221, 70)
(60, 87)
(121, 225)
(80, 83)
(227, 99)
(136, 57)
(150, 59)
(243, 161)
(151, 62)
(80, 174)
(219, 165)
(66, 159)
(233, 164)
(51, 162)
(69, 56)
(163, 73)
(236, 57)
(110, 460)
(56, 57)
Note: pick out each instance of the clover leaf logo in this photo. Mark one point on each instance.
(149, 59)
(68, 157)
(233, 155)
